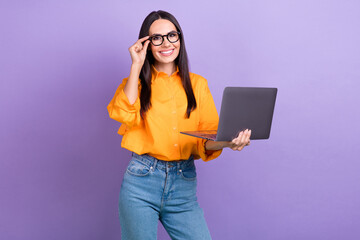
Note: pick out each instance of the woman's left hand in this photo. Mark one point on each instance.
(242, 140)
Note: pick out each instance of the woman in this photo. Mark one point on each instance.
(159, 99)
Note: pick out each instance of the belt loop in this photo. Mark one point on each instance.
(155, 162)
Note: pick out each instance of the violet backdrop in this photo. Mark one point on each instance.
(61, 163)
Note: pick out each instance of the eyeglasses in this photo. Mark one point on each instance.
(158, 39)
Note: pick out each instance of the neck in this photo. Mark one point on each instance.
(168, 68)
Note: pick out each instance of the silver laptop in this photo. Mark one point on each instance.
(242, 108)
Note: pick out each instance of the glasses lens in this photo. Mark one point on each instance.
(157, 40)
(173, 37)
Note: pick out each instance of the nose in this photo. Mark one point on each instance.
(166, 42)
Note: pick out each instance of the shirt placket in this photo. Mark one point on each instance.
(174, 118)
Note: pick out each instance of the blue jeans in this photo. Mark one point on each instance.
(154, 190)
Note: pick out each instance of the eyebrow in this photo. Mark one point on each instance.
(158, 34)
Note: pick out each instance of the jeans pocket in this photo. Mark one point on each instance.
(188, 171)
(138, 168)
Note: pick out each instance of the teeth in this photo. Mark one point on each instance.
(167, 51)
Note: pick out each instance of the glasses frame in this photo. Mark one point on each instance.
(162, 37)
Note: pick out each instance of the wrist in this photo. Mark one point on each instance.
(227, 144)
(211, 145)
(136, 67)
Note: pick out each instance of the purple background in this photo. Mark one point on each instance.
(61, 162)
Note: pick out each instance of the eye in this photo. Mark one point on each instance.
(156, 38)
(173, 34)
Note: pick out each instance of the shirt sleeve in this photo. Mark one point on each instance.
(121, 110)
(209, 120)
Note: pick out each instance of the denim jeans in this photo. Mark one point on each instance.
(154, 190)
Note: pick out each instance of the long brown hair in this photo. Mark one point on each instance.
(181, 61)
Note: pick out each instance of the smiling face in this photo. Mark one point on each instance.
(167, 52)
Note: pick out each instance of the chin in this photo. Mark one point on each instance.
(166, 60)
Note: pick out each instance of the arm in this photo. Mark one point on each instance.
(209, 120)
(131, 86)
(125, 105)
(138, 55)
(121, 110)
(212, 145)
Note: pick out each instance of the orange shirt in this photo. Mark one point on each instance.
(159, 133)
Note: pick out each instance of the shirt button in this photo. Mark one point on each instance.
(175, 145)
(174, 128)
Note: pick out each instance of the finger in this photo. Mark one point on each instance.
(233, 142)
(249, 133)
(234, 146)
(247, 140)
(142, 39)
(240, 148)
(236, 149)
(244, 140)
(136, 47)
(238, 139)
(243, 137)
(146, 44)
(240, 133)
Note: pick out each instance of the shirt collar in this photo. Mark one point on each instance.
(156, 73)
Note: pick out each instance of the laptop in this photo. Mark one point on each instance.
(242, 108)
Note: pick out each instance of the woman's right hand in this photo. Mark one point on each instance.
(138, 51)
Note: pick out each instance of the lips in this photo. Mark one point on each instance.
(167, 52)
